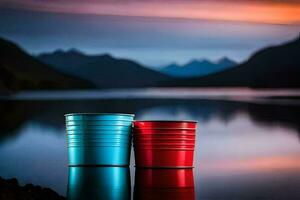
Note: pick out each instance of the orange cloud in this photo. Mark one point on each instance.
(254, 165)
(266, 11)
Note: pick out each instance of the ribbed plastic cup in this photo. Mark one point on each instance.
(99, 155)
(80, 140)
(99, 128)
(99, 116)
(184, 125)
(173, 147)
(164, 144)
(85, 142)
(164, 137)
(99, 123)
(94, 183)
(98, 132)
(161, 184)
(97, 143)
(164, 131)
(99, 139)
(168, 157)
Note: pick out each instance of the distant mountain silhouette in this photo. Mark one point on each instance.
(103, 70)
(18, 71)
(273, 67)
(197, 68)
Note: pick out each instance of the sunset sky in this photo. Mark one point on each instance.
(150, 31)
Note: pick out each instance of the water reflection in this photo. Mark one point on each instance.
(109, 183)
(50, 113)
(243, 150)
(164, 184)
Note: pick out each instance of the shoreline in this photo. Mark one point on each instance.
(11, 190)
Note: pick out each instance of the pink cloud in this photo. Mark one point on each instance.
(266, 11)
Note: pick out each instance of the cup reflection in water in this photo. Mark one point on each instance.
(109, 183)
(163, 184)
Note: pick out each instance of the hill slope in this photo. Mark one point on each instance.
(103, 70)
(18, 71)
(273, 67)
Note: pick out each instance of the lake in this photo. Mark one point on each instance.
(248, 141)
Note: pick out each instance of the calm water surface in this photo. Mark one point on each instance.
(245, 149)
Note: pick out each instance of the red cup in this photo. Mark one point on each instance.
(165, 125)
(162, 140)
(169, 138)
(164, 184)
(164, 157)
(164, 137)
(164, 144)
(170, 147)
(163, 131)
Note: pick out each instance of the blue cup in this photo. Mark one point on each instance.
(99, 116)
(99, 123)
(99, 136)
(80, 140)
(98, 128)
(99, 139)
(94, 183)
(98, 144)
(93, 154)
(98, 132)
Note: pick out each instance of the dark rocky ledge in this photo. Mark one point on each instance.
(11, 190)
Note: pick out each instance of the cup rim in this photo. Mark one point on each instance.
(165, 130)
(97, 146)
(170, 134)
(97, 120)
(92, 135)
(91, 125)
(96, 142)
(101, 138)
(161, 128)
(107, 128)
(167, 121)
(164, 145)
(100, 114)
(164, 139)
(99, 131)
(165, 148)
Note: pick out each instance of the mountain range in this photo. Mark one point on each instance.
(104, 70)
(272, 67)
(20, 71)
(196, 68)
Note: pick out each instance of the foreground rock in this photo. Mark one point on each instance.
(11, 190)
